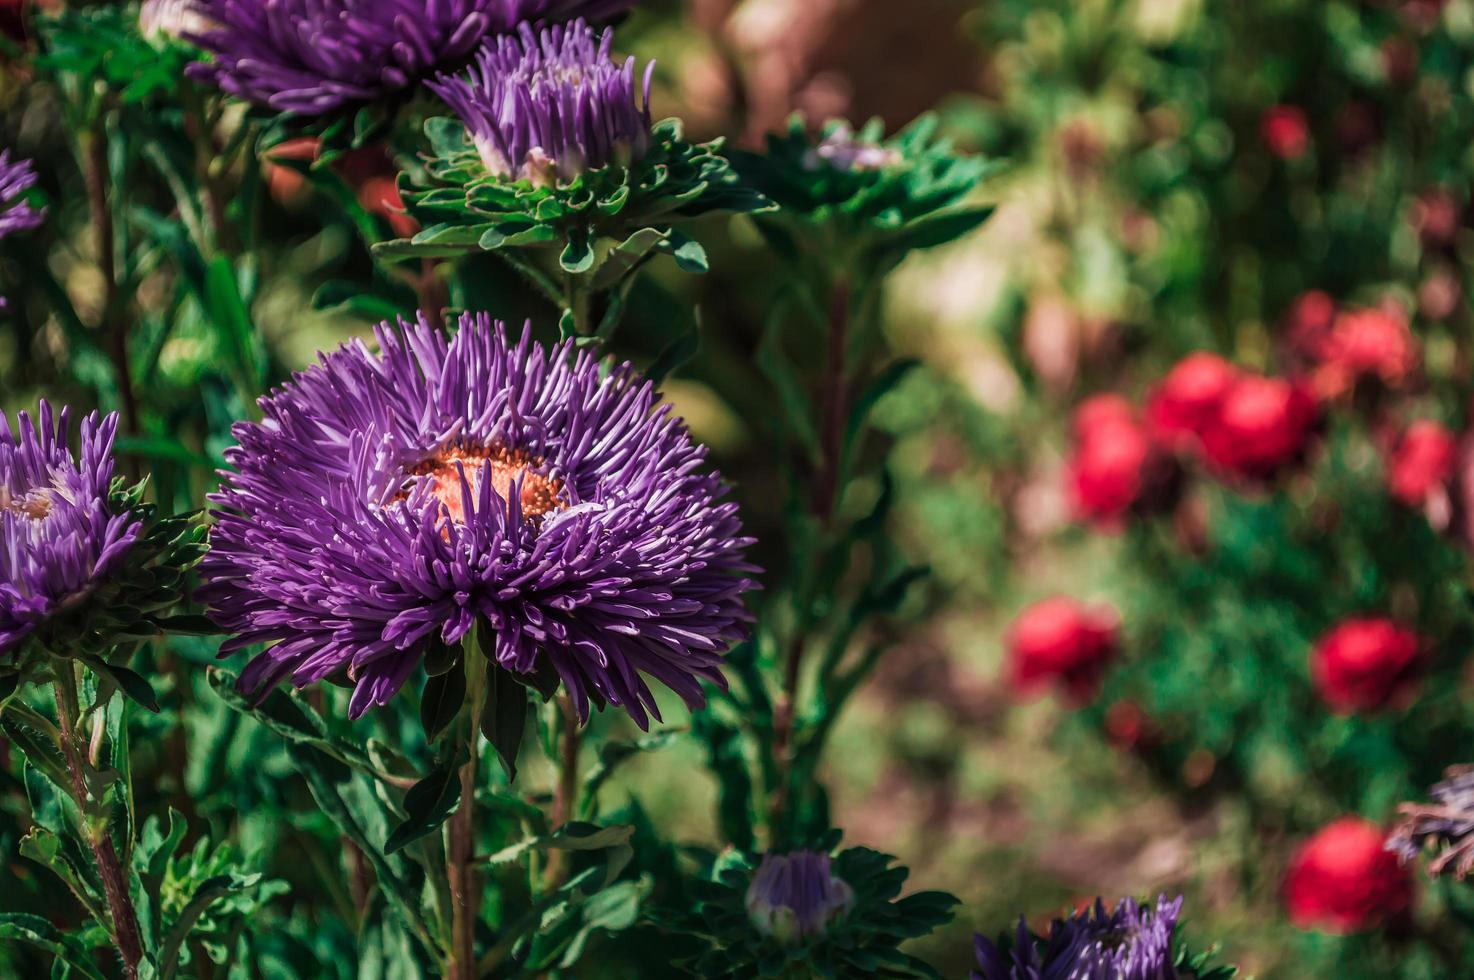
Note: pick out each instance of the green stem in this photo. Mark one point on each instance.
(124, 925)
(576, 302)
(465, 889)
(565, 793)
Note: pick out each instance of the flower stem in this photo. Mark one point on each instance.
(834, 406)
(109, 868)
(565, 793)
(465, 886)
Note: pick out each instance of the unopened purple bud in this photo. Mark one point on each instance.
(796, 896)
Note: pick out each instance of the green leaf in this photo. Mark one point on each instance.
(228, 312)
(130, 683)
(578, 255)
(689, 254)
(32, 929)
(442, 699)
(884, 383)
(351, 803)
(613, 754)
(209, 891)
(429, 802)
(42, 753)
(626, 257)
(939, 230)
(46, 848)
(677, 353)
(350, 298)
(504, 718)
(791, 397)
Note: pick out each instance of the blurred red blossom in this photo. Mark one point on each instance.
(1262, 426)
(1182, 407)
(1373, 342)
(1420, 468)
(1309, 320)
(1061, 642)
(1114, 466)
(1366, 663)
(1399, 60)
(1285, 131)
(1342, 879)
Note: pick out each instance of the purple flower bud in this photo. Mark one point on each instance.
(16, 177)
(842, 149)
(547, 106)
(796, 896)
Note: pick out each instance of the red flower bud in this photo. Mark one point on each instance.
(1106, 469)
(1061, 642)
(1285, 131)
(1181, 408)
(1366, 663)
(1342, 879)
(1421, 465)
(1262, 426)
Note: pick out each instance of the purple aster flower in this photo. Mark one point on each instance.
(1446, 823)
(58, 537)
(1134, 942)
(551, 105)
(795, 896)
(311, 57)
(388, 501)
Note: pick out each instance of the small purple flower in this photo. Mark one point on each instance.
(16, 177)
(1134, 942)
(310, 57)
(795, 896)
(1447, 824)
(843, 149)
(58, 537)
(389, 501)
(548, 106)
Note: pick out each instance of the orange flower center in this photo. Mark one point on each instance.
(540, 494)
(34, 505)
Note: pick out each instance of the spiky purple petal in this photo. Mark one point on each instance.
(310, 57)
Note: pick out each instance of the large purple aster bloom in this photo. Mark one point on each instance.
(58, 538)
(387, 501)
(551, 104)
(1133, 942)
(1446, 824)
(310, 57)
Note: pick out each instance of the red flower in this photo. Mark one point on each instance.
(1342, 880)
(1422, 463)
(1309, 320)
(1285, 131)
(1062, 642)
(1366, 663)
(1181, 408)
(1367, 343)
(1106, 470)
(1262, 426)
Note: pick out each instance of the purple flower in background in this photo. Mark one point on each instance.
(16, 177)
(795, 896)
(1134, 942)
(551, 105)
(387, 501)
(58, 537)
(843, 149)
(1447, 823)
(311, 57)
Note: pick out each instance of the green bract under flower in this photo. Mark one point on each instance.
(465, 208)
(863, 192)
(853, 930)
